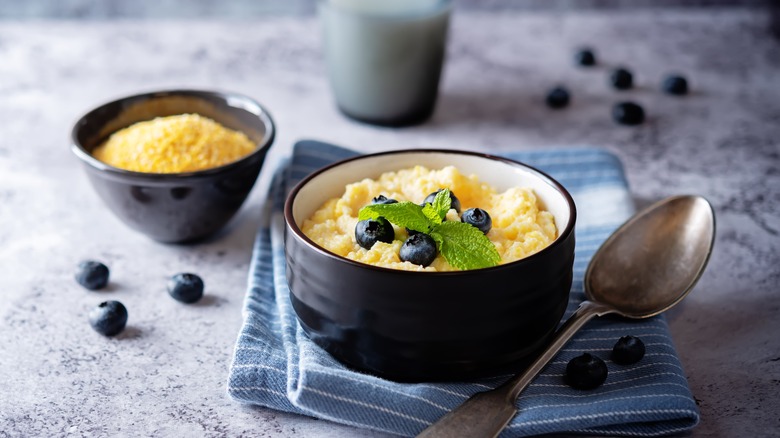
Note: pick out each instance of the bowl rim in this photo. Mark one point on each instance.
(78, 149)
(562, 236)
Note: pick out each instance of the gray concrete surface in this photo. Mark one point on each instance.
(242, 9)
(166, 375)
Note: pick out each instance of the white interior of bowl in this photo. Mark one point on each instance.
(500, 174)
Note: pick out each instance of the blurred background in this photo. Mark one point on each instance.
(245, 9)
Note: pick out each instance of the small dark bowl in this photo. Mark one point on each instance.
(174, 207)
(420, 326)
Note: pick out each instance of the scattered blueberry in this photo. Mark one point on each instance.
(369, 231)
(585, 372)
(108, 318)
(478, 218)
(675, 84)
(454, 201)
(621, 79)
(628, 113)
(558, 97)
(585, 57)
(185, 287)
(92, 275)
(419, 249)
(381, 199)
(628, 350)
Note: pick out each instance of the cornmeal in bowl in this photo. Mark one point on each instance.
(174, 144)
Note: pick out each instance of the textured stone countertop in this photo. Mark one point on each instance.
(166, 374)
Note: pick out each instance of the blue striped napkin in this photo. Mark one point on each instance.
(277, 366)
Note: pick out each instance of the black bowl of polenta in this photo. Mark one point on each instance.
(491, 297)
(174, 165)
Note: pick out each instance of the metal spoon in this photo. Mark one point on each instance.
(647, 266)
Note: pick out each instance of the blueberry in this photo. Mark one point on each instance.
(185, 287)
(628, 113)
(675, 84)
(92, 275)
(369, 231)
(628, 350)
(454, 201)
(381, 199)
(558, 97)
(586, 372)
(419, 249)
(585, 57)
(478, 218)
(108, 318)
(621, 79)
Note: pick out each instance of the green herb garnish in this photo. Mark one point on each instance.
(462, 245)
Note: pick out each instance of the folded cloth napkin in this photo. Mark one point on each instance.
(276, 365)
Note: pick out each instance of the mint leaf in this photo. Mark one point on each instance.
(442, 203)
(430, 212)
(464, 246)
(403, 214)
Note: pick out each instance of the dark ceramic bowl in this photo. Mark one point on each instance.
(175, 207)
(419, 326)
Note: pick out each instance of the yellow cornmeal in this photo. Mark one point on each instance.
(520, 226)
(174, 144)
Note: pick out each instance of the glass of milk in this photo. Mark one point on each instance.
(385, 57)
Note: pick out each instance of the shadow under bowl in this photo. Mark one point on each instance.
(426, 326)
(174, 207)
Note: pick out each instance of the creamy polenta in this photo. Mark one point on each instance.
(520, 226)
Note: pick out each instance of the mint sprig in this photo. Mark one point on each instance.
(462, 245)
(465, 246)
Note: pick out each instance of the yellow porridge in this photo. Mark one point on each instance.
(520, 227)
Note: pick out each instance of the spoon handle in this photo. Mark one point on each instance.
(486, 414)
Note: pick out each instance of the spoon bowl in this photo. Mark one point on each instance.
(644, 268)
(653, 261)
